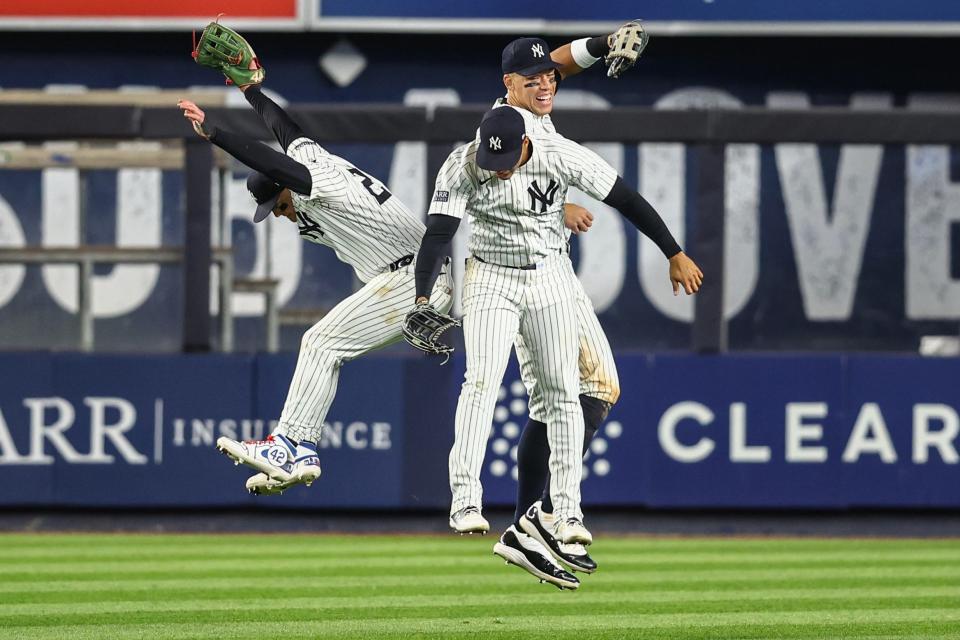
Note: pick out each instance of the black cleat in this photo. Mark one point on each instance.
(574, 556)
(522, 550)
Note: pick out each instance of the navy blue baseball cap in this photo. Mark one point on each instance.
(265, 191)
(528, 57)
(501, 139)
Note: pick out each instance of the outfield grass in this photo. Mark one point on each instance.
(273, 587)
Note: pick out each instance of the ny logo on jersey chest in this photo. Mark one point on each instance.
(307, 227)
(545, 198)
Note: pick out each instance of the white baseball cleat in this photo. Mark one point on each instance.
(519, 549)
(469, 520)
(261, 485)
(306, 464)
(571, 531)
(304, 470)
(273, 456)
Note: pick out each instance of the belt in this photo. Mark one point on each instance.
(402, 262)
(526, 267)
(406, 260)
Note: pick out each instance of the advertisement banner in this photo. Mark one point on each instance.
(653, 10)
(823, 432)
(150, 8)
(152, 14)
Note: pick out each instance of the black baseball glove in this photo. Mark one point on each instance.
(423, 326)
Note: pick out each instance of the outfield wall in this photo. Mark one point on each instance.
(744, 431)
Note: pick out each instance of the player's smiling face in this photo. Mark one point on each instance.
(533, 93)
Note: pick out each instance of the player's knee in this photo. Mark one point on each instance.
(316, 342)
(613, 392)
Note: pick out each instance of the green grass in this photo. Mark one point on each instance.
(68, 587)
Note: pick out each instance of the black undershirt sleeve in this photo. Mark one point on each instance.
(642, 215)
(282, 125)
(433, 247)
(284, 170)
(598, 47)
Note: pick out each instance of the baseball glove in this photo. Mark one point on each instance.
(224, 49)
(423, 326)
(626, 45)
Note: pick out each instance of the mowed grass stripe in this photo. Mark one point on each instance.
(570, 624)
(66, 558)
(510, 579)
(492, 571)
(782, 598)
(323, 542)
(479, 567)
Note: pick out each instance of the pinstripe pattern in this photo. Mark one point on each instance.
(369, 319)
(352, 213)
(598, 370)
(512, 227)
(368, 229)
(519, 222)
(499, 303)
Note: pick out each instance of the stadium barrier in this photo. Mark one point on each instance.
(706, 131)
(732, 431)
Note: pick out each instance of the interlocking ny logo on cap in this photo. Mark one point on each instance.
(537, 50)
(495, 143)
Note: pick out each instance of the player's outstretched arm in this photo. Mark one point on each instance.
(273, 115)
(635, 208)
(284, 170)
(435, 244)
(620, 50)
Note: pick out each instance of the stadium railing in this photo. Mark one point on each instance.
(706, 131)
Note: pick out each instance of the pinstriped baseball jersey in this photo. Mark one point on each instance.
(352, 213)
(519, 221)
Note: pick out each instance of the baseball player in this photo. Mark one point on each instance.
(518, 281)
(531, 82)
(334, 204)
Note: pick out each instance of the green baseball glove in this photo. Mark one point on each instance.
(224, 49)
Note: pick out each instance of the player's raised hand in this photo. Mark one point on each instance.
(195, 115)
(685, 273)
(576, 218)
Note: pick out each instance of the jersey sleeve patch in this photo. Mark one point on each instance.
(441, 196)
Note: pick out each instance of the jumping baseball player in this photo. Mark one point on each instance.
(531, 82)
(546, 164)
(334, 204)
(599, 381)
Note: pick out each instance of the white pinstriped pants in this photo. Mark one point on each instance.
(498, 304)
(598, 370)
(369, 319)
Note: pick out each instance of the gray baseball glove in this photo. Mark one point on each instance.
(626, 45)
(423, 326)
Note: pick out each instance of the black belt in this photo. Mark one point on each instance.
(402, 262)
(526, 267)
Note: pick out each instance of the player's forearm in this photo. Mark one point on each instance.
(643, 216)
(580, 54)
(435, 244)
(284, 170)
(282, 125)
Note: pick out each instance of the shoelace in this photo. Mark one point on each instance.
(269, 438)
(469, 510)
